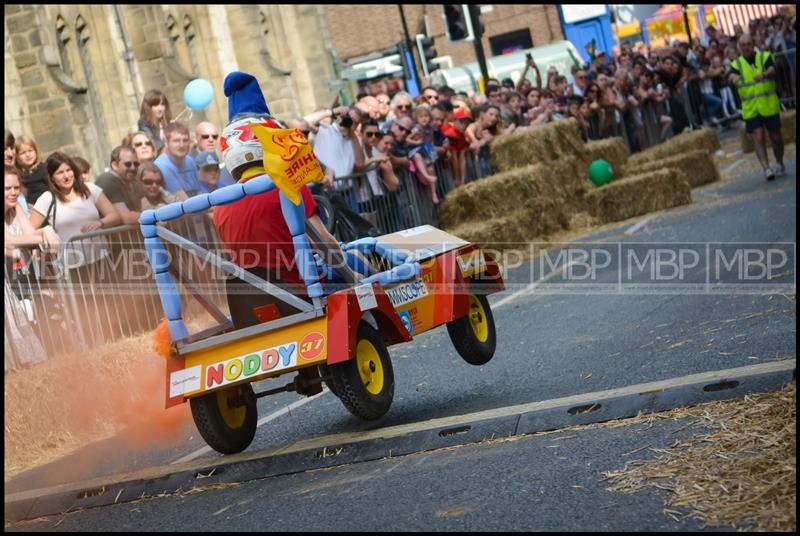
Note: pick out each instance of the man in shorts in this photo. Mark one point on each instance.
(753, 73)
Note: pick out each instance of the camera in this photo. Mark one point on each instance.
(346, 121)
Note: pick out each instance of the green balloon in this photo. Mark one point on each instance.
(600, 172)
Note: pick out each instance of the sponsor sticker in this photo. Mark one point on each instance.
(366, 297)
(405, 318)
(414, 231)
(184, 381)
(407, 292)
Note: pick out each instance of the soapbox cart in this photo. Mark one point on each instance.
(339, 337)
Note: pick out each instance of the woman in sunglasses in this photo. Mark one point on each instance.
(142, 144)
(152, 182)
(402, 105)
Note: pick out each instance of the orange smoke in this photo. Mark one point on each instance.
(68, 402)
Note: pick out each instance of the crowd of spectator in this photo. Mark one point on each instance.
(644, 94)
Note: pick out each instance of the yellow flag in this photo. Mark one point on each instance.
(288, 159)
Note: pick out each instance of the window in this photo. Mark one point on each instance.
(510, 42)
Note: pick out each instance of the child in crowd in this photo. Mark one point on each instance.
(154, 117)
(84, 167)
(423, 152)
(29, 161)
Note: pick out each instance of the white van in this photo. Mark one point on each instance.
(465, 77)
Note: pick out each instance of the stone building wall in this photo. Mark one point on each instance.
(75, 75)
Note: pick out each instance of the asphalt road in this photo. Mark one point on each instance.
(560, 338)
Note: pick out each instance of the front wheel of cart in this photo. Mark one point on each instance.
(227, 418)
(365, 384)
(473, 335)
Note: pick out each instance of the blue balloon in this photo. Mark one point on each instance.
(198, 94)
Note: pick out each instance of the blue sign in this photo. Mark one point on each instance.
(405, 318)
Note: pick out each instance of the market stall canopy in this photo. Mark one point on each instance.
(728, 15)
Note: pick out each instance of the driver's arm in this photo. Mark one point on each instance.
(329, 246)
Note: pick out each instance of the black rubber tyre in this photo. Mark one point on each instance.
(366, 393)
(474, 335)
(325, 372)
(326, 212)
(229, 431)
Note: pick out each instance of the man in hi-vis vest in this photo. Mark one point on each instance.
(754, 75)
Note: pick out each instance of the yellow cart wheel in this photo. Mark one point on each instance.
(474, 335)
(365, 384)
(227, 418)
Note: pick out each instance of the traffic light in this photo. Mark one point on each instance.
(426, 53)
(457, 22)
(401, 60)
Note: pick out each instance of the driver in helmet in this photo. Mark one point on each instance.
(253, 229)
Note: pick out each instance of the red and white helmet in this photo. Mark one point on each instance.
(240, 146)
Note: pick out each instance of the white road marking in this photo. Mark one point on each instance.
(727, 169)
(263, 420)
(639, 225)
(535, 284)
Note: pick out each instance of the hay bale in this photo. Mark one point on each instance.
(540, 144)
(706, 139)
(640, 194)
(541, 187)
(612, 150)
(698, 166)
(788, 125)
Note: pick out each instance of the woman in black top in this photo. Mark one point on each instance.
(154, 117)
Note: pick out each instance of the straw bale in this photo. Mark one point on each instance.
(540, 144)
(612, 150)
(788, 125)
(699, 167)
(538, 187)
(706, 139)
(639, 194)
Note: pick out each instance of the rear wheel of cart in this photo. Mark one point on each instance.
(227, 418)
(474, 336)
(365, 384)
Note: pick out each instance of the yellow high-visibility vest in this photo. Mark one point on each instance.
(758, 98)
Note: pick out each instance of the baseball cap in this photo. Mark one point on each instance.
(207, 158)
(461, 113)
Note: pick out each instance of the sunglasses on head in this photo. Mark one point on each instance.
(151, 182)
(206, 136)
(372, 133)
(140, 143)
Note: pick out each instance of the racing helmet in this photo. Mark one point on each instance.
(240, 146)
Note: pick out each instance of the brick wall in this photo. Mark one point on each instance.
(363, 29)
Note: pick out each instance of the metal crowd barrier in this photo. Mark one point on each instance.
(786, 77)
(410, 205)
(74, 305)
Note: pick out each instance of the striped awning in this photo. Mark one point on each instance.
(728, 15)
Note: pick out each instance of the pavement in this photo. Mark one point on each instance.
(445, 468)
